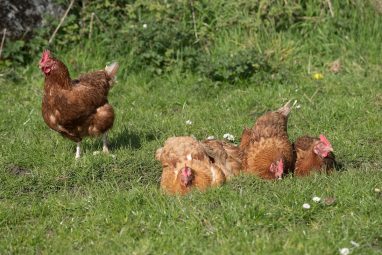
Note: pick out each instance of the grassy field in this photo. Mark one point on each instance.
(52, 204)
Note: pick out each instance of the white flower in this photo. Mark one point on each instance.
(188, 122)
(306, 206)
(354, 244)
(211, 137)
(316, 199)
(344, 251)
(376, 190)
(229, 137)
(145, 25)
(295, 102)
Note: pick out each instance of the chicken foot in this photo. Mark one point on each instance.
(105, 146)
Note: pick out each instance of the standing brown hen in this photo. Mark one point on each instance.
(77, 108)
(186, 165)
(266, 150)
(313, 154)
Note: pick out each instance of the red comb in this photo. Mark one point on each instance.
(45, 55)
(324, 140)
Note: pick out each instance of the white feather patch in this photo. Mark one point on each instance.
(213, 172)
(52, 118)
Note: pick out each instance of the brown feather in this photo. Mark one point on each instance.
(261, 154)
(179, 152)
(203, 179)
(245, 138)
(225, 155)
(307, 161)
(268, 143)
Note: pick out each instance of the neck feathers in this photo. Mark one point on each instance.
(59, 77)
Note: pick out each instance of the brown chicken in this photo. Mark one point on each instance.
(313, 154)
(77, 108)
(225, 155)
(245, 138)
(186, 165)
(265, 149)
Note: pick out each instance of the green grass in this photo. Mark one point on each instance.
(101, 204)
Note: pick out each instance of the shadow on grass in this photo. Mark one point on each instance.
(127, 139)
(339, 166)
(123, 140)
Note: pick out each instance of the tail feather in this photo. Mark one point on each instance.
(285, 110)
(112, 69)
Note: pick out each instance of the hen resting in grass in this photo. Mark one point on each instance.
(265, 149)
(187, 165)
(313, 154)
(77, 108)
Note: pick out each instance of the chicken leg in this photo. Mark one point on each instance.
(105, 147)
(78, 150)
